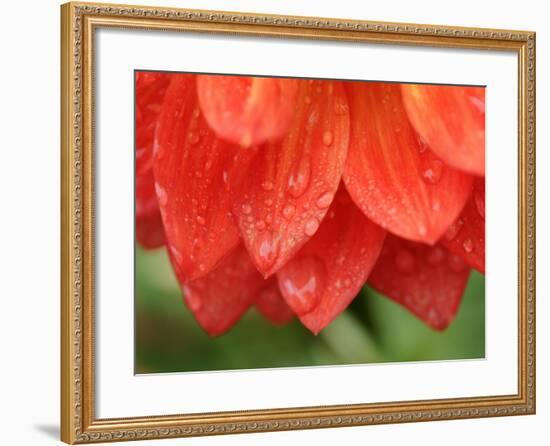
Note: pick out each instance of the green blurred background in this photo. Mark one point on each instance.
(372, 329)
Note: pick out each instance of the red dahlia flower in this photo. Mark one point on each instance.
(291, 194)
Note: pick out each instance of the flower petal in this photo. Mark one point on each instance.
(247, 110)
(219, 299)
(427, 280)
(452, 122)
(191, 167)
(466, 236)
(271, 305)
(282, 195)
(149, 227)
(150, 90)
(328, 272)
(391, 175)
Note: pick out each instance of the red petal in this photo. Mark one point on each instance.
(247, 110)
(149, 228)
(466, 236)
(191, 167)
(150, 89)
(452, 122)
(272, 306)
(328, 272)
(393, 178)
(428, 281)
(219, 299)
(284, 193)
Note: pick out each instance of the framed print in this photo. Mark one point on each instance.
(276, 223)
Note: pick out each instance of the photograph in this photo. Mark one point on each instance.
(295, 222)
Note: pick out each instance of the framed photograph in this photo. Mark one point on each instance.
(276, 223)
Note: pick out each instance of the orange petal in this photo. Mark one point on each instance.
(452, 122)
(191, 167)
(427, 280)
(271, 305)
(247, 110)
(391, 175)
(219, 299)
(282, 195)
(150, 90)
(328, 272)
(466, 236)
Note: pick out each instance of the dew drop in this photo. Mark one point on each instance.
(268, 202)
(260, 225)
(200, 220)
(268, 250)
(311, 227)
(324, 200)
(208, 165)
(405, 261)
(307, 100)
(432, 171)
(225, 177)
(193, 138)
(288, 211)
(468, 245)
(267, 185)
(299, 179)
(422, 145)
(327, 138)
(303, 283)
(246, 209)
(454, 229)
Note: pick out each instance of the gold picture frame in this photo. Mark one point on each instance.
(78, 24)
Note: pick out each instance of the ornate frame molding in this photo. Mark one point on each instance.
(78, 424)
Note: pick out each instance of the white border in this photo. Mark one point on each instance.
(121, 394)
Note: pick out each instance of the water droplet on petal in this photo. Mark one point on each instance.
(324, 200)
(405, 261)
(307, 100)
(268, 249)
(260, 225)
(193, 301)
(200, 220)
(468, 245)
(311, 227)
(299, 179)
(193, 138)
(267, 185)
(246, 209)
(303, 283)
(432, 171)
(327, 138)
(454, 229)
(288, 211)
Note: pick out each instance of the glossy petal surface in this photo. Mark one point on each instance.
(247, 110)
(191, 168)
(271, 305)
(391, 175)
(452, 122)
(427, 280)
(328, 272)
(219, 299)
(284, 192)
(466, 236)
